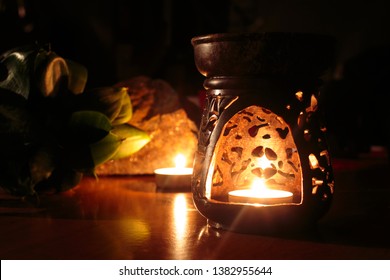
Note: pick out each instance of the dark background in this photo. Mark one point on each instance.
(120, 39)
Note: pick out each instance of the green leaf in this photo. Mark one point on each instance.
(89, 141)
(132, 139)
(104, 149)
(87, 127)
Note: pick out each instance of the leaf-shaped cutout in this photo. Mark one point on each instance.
(132, 139)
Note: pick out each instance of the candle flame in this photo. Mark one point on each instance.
(263, 162)
(180, 161)
(258, 185)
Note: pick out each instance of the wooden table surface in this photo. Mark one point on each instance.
(128, 218)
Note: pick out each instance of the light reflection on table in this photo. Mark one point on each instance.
(129, 218)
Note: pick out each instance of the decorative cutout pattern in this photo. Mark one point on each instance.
(263, 136)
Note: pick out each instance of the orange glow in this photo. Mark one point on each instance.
(180, 161)
(263, 162)
(258, 185)
(180, 226)
(313, 161)
(260, 193)
(180, 215)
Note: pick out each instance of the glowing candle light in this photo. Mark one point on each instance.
(259, 193)
(174, 177)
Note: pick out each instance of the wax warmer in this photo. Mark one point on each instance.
(262, 162)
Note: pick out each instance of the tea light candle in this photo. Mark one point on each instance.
(178, 177)
(259, 193)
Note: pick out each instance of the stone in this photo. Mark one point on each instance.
(158, 110)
